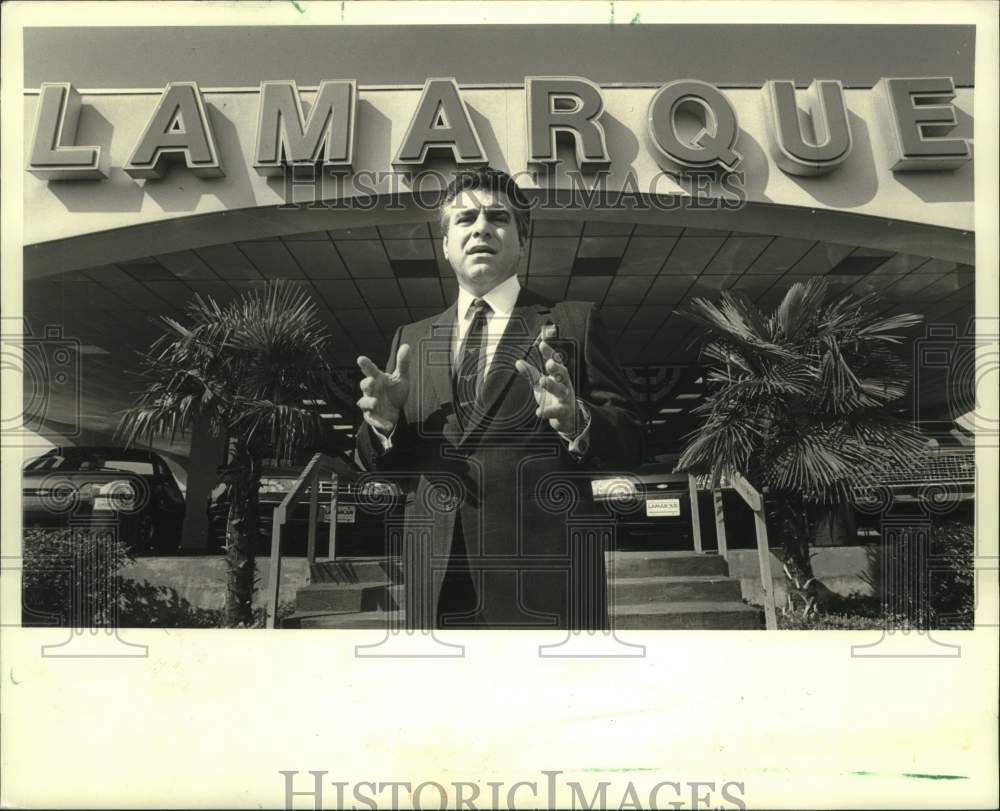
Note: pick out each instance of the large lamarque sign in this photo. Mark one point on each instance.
(919, 112)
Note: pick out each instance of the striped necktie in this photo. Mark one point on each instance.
(471, 362)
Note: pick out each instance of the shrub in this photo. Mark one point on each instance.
(795, 621)
(143, 605)
(928, 577)
(69, 577)
(952, 585)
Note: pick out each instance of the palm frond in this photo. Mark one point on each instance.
(800, 307)
(735, 320)
(246, 367)
(798, 398)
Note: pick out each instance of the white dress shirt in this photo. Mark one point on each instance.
(502, 300)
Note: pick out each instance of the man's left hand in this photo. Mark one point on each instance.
(553, 392)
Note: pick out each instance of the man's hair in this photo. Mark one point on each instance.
(496, 181)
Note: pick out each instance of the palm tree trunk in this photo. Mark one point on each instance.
(795, 543)
(796, 533)
(241, 537)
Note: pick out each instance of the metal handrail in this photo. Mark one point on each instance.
(754, 499)
(308, 478)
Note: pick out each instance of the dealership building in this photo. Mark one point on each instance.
(666, 164)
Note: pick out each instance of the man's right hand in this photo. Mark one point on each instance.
(384, 395)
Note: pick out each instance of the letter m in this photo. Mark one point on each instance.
(579, 799)
(588, 197)
(286, 136)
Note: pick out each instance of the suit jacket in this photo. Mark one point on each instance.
(534, 542)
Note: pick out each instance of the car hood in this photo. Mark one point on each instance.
(34, 479)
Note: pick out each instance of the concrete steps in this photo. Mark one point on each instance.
(340, 597)
(357, 570)
(382, 596)
(646, 590)
(664, 564)
(686, 615)
(353, 620)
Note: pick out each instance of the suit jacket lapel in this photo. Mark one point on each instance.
(518, 339)
(437, 370)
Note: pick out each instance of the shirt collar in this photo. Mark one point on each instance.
(501, 298)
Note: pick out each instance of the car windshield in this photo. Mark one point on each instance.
(91, 462)
(376, 489)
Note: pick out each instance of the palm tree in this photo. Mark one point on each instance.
(244, 368)
(798, 402)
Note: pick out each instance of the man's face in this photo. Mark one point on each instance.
(481, 242)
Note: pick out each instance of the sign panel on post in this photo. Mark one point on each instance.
(663, 507)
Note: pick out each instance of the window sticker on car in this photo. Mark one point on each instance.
(663, 507)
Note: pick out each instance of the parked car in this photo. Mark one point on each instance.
(364, 503)
(652, 507)
(132, 490)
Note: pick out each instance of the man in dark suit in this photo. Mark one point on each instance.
(493, 414)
